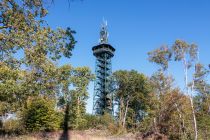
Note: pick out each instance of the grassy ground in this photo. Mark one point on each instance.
(71, 135)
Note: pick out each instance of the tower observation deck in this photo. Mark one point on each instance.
(103, 97)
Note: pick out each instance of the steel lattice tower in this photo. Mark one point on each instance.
(103, 98)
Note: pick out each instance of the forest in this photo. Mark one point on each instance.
(39, 95)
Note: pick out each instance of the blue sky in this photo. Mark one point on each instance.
(135, 27)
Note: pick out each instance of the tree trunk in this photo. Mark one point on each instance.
(121, 112)
(125, 115)
(191, 100)
(155, 125)
(182, 127)
(78, 112)
(194, 119)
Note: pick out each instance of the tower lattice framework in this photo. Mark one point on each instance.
(103, 97)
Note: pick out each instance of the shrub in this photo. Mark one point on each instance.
(104, 122)
(40, 115)
(12, 126)
(106, 119)
(91, 121)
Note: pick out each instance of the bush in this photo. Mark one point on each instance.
(12, 127)
(91, 121)
(105, 122)
(40, 115)
(106, 119)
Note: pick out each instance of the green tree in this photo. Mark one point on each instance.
(64, 78)
(161, 56)
(23, 28)
(24, 31)
(73, 85)
(40, 115)
(202, 101)
(11, 88)
(80, 79)
(131, 94)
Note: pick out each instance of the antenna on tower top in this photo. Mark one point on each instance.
(104, 33)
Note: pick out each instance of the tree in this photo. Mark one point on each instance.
(64, 78)
(24, 31)
(40, 115)
(23, 28)
(80, 80)
(161, 56)
(202, 100)
(131, 94)
(161, 81)
(181, 52)
(167, 107)
(187, 53)
(74, 84)
(11, 88)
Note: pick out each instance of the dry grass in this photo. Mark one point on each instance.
(72, 135)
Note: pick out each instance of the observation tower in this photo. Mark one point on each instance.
(103, 96)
